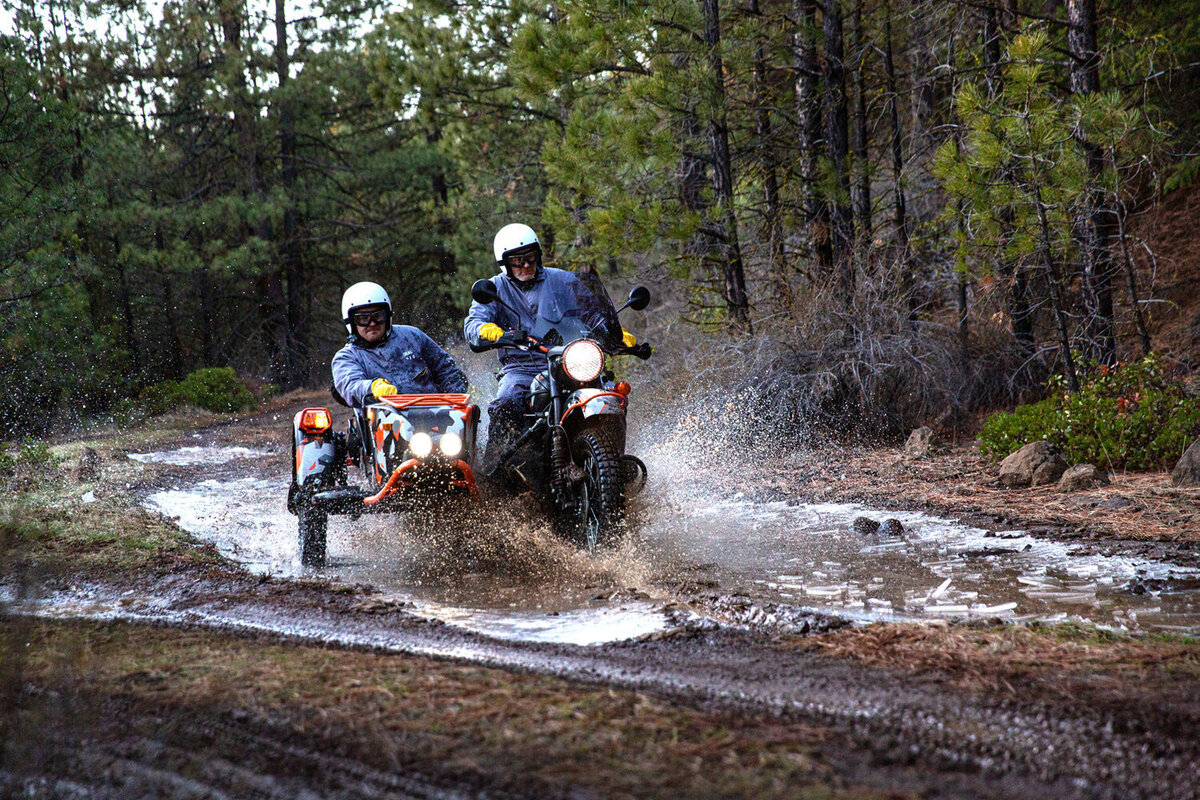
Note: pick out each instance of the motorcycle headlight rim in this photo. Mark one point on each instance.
(451, 444)
(421, 444)
(583, 361)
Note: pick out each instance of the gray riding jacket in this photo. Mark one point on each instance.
(407, 358)
(552, 295)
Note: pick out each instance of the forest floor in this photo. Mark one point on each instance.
(956, 481)
(249, 685)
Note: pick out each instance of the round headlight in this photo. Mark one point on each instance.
(421, 444)
(451, 444)
(583, 360)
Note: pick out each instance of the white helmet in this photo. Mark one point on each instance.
(364, 294)
(512, 237)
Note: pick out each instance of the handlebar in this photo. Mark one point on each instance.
(520, 340)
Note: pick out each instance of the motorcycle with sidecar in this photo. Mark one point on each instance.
(413, 452)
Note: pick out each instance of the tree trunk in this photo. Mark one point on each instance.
(809, 133)
(900, 216)
(1100, 225)
(296, 347)
(1131, 285)
(272, 305)
(862, 183)
(837, 142)
(1013, 272)
(725, 221)
(765, 155)
(1054, 282)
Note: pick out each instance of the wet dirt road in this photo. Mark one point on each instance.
(693, 542)
(688, 607)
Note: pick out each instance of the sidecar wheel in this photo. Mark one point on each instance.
(600, 518)
(313, 524)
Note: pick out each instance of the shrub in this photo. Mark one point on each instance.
(33, 463)
(159, 398)
(1128, 416)
(215, 389)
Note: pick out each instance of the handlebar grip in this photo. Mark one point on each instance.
(642, 351)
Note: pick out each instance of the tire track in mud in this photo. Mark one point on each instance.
(898, 720)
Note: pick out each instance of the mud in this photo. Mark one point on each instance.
(1082, 748)
(706, 606)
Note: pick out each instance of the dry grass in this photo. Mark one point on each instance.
(1082, 668)
(528, 734)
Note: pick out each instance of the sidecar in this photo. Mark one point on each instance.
(409, 452)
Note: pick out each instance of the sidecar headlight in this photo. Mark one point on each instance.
(421, 444)
(451, 444)
(583, 360)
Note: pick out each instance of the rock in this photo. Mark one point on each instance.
(1187, 471)
(1082, 476)
(1049, 471)
(865, 526)
(891, 527)
(88, 468)
(920, 443)
(1034, 464)
(1115, 503)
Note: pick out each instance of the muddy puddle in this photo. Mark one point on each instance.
(502, 573)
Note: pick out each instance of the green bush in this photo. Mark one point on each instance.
(1128, 416)
(159, 398)
(33, 463)
(214, 389)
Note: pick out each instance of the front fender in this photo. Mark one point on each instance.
(593, 403)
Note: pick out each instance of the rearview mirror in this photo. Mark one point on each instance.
(483, 291)
(639, 298)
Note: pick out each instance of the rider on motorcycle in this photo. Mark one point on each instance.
(534, 292)
(381, 359)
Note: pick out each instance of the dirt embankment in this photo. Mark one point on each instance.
(202, 709)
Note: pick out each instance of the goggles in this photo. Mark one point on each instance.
(529, 257)
(364, 319)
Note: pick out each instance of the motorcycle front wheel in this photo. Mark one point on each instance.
(600, 502)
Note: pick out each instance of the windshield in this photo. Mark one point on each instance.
(595, 317)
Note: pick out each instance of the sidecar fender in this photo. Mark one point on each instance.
(315, 456)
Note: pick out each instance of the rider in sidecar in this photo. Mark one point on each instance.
(412, 429)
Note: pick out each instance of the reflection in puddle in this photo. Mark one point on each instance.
(809, 555)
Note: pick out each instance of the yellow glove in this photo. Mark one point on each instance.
(490, 332)
(627, 338)
(380, 387)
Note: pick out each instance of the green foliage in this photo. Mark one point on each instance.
(1130, 416)
(216, 389)
(159, 398)
(1017, 160)
(32, 464)
(1184, 175)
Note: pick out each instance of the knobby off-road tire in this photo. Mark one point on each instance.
(602, 523)
(313, 525)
